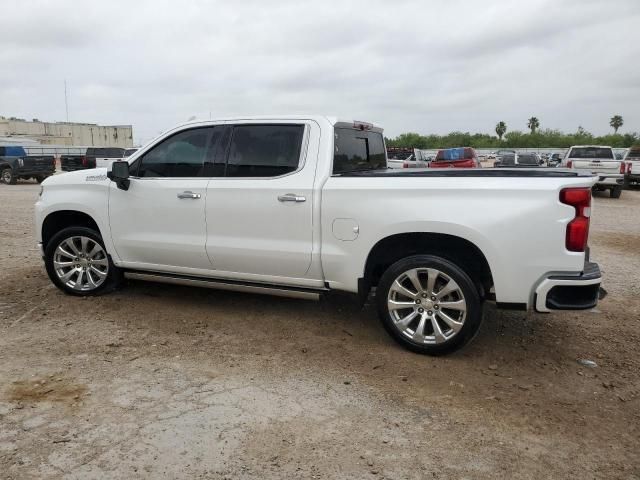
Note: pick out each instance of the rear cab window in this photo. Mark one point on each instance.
(453, 154)
(358, 150)
(591, 152)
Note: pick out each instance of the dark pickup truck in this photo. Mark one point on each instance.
(15, 164)
(92, 157)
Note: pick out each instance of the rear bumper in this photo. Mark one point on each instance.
(609, 180)
(570, 292)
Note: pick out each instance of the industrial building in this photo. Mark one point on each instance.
(23, 132)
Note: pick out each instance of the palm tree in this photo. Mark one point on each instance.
(616, 122)
(533, 124)
(501, 129)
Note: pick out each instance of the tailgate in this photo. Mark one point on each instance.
(598, 166)
(38, 163)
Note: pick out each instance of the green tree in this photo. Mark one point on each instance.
(616, 122)
(533, 124)
(501, 129)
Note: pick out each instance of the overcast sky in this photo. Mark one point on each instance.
(424, 66)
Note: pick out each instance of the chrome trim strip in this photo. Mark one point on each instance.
(222, 285)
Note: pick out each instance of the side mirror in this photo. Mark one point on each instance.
(120, 174)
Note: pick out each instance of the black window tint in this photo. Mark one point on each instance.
(181, 155)
(264, 150)
(358, 150)
(591, 152)
(105, 152)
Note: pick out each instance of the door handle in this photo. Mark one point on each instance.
(189, 194)
(291, 197)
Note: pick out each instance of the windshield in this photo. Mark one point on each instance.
(527, 159)
(399, 155)
(356, 150)
(591, 152)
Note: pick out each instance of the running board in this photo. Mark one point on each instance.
(276, 290)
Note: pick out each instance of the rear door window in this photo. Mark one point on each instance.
(358, 150)
(264, 151)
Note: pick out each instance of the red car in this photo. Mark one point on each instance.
(463, 157)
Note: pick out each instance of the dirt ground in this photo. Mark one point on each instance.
(161, 381)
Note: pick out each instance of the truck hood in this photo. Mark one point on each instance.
(79, 177)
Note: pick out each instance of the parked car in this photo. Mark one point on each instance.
(632, 166)
(501, 153)
(519, 160)
(93, 157)
(398, 157)
(555, 160)
(599, 161)
(463, 157)
(300, 206)
(16, 164)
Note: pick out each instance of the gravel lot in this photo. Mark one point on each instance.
(170, 382)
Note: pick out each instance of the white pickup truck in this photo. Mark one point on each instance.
(601, 162)
(301, 205)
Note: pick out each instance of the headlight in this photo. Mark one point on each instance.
(21, 162)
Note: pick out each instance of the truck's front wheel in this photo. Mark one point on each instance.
(78, 264)
(428, 304)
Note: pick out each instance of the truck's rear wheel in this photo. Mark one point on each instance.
(8, 177)
(78, 264)
(428, 304)
(615, 192)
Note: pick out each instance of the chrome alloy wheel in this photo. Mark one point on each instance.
(427, 306)
(6, 176)
(81, 263)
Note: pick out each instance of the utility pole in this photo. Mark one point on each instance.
(66, 102)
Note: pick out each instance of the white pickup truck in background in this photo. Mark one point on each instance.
(600, 161)
(302, 205)
(632, 166)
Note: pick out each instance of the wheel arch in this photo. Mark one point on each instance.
(58, 220)
(458, 250)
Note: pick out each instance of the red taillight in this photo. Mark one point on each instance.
(84, 161)
(629, 168)
(569, 163)
(622, 167)
(578, 228)
(405, 165)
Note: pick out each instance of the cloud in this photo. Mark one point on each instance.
(408, 65)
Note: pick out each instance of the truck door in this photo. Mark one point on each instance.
(159, 222)
(260, 214)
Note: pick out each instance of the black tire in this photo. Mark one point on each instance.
(7, 177)
(470, 322)
(615, 192)
(114, 274)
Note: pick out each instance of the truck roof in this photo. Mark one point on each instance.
(590, 146)
(333, 120)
